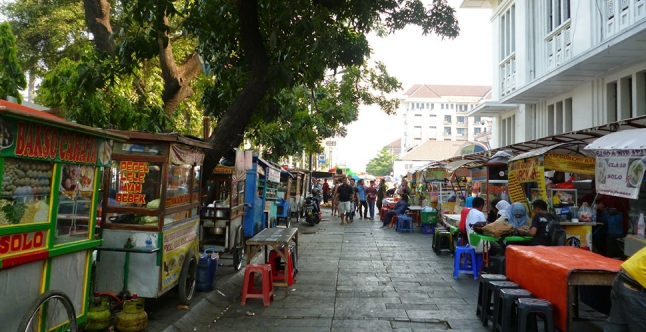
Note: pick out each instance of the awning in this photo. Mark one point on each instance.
(491, 109)
(623, 140)
(577, 140)
(322, 175)
(561, 148)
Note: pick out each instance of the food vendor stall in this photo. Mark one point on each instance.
(50, 192)
(297, 191)
(442, 196)
(222, 220)
(527, 183)
(489, 180)
(151, 222)
(258, 193)
(619, 172)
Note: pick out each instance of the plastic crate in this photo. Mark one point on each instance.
(429, 218)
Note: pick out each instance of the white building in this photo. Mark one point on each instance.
(563, 65)
(440, 112)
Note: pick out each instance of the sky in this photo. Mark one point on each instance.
(416, 59)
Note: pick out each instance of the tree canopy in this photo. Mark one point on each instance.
(12, 79)
(382, 164)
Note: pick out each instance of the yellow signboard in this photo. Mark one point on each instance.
(177, 242)
(571, 164)
(526, 171)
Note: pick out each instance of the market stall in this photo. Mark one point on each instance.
(151, 222)
(489, 180)
(222, 220)
(50, 193)
(442, 193)
(527, 183)
(619, 172)
(259, 193)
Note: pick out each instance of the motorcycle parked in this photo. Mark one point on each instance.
(312, 210)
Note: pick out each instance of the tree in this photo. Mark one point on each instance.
(382, 164)
(12, 78)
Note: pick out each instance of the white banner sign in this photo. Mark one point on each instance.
(619, 173)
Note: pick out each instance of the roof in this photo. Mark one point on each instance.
(439, 91)
(396, 143)
(435, 150)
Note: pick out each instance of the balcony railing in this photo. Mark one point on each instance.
(508, 75)
(559, 45)
(621, 14)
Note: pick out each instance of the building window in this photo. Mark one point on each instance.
(476, 119)
(476, 131)
(508, 32)
(452, 106)
(558, 12)
(447, 130)
(432, 127)
(447, 118)
(442, 106)
(461, 120)
(432, 106)
(462, 131)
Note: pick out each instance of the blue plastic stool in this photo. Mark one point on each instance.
(404, 223)
(461, 263)
(428, 229)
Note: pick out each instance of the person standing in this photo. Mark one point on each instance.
(371, 193)
(344, 193)
(326, 191)
(363, 200)
(355, 199)
(381, 194)
(628, 296)
(404, 188)
(334, 199)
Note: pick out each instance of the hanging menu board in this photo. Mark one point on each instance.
(620, 172)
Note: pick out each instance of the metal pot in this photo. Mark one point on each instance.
(216, 230)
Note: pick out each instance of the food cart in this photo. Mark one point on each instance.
(619, 171)
(222, 221)
(297, 192)
(489, 180)
(48, 216)
(259, 193)
(151, 221)
(527, 183)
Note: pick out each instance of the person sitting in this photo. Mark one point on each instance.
(538, 228)
(502, 206)
(493, 213)
(473, 216)
(516, 215)
(400, 208)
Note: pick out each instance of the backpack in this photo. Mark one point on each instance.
(462, 226)
(555, 232)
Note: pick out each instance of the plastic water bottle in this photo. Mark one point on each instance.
(641, 227)
(594, 212)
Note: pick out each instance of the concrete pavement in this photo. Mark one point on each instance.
(352, 277)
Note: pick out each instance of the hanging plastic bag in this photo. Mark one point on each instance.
(585, 213)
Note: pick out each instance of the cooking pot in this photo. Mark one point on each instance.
(216, 230)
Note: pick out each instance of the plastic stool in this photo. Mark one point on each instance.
(382, 212)
(504, 314)
(465, 261)
(527, 307)
(278, 267)
(404, 223)
(442, 241)
(496, 265)
(428, 229)
(485, 278)
(393, 221)
(491, 295)
(248, 287)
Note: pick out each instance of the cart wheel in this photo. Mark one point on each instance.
(57, 306)
(238, 250)
(187, 279)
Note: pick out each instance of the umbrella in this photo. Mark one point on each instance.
(388, 178)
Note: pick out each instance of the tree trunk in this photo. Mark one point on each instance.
(230, 129)
(97, 18)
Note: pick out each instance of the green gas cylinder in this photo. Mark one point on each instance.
(132, 318)
(98, 317)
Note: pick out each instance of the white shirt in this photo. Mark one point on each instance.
(473, 217)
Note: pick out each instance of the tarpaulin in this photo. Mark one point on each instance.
(545, 271)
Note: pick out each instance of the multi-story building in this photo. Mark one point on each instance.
(440, 112)
(563, 65)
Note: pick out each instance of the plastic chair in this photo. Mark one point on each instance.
(404, 223)
(281, 269)
(442, 241)
(527, 307)
(266, 293)
(465, 261)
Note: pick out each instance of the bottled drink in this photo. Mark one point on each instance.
(641, 227)
(594, 212)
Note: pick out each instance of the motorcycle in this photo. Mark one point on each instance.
(312, 210)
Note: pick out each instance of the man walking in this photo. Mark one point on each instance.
(344, 195)
(326, 191)
(371, 193)
(381, 193)
(363, 200)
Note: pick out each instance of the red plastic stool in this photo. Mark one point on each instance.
(382, 212)
(278, 267)
(248, 289)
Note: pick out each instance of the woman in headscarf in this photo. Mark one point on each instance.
(517, 215)
(502, 207)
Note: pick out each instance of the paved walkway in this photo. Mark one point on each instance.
(355, 277)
